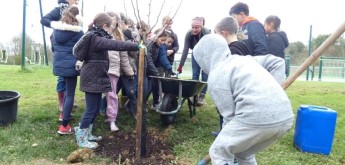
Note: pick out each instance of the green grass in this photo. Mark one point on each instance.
(38, 113)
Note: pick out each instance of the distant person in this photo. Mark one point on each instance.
(256, 109)
(93, 49)
(252, 30)
(276, 39)
(191, 39)
(66, 33)
(55, 15)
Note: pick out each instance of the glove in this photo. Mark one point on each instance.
(179, 69)
(141, 46)
(202, 162)
(171, 72)
(78, 65)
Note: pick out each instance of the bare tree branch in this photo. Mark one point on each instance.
(164, 26)
(148, 15)
(134, 11)
(160, 11)
(124, 6)
(177, 9)
(138, 11)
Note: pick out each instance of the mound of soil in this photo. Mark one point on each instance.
(120, 147)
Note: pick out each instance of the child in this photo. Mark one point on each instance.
(227, 28)
(55, 15)
(118, 60)
(158, 61)
(66, 33)
(256, 110)
(93, 48)
(277, 40)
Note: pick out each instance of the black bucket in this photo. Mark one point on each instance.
(8, 107)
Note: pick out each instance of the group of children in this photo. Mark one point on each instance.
(254, 109)
(105, 58)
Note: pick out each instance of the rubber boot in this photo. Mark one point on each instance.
(91, 137)
(60, 97)
(81, 137)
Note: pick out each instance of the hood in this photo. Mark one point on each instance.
(210, 50)
(284, 37)
(58, 25)
(248, 19)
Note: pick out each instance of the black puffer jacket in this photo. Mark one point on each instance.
(277, 42)
(94, 72)
(152, 56)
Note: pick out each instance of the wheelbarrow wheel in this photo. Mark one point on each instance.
(169, 104)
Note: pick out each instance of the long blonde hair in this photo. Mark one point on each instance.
(116, 32)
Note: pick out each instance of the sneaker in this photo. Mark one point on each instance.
(65, 130)
(113, 127)
(60, 117)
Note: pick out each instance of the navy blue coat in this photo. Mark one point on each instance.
(255, 38)
(64, 38)
(53, 15)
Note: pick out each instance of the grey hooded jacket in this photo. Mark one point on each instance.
(240, 87)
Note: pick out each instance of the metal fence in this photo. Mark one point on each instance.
(329, 69)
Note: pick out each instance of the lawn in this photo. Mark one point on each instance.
(33, 136)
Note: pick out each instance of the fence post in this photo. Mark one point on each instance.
(320, 68)
(287, 66)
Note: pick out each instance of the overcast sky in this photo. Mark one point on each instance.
(296, 15)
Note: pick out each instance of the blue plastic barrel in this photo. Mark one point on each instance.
(314, 129)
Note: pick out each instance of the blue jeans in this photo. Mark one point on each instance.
(196, 73)
(93, 105)
(61, 85)
(71, 83)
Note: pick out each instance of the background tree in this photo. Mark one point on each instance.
(298, 52)
(14, 47)
(335, 50)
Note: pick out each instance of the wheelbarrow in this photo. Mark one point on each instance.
(176, 92)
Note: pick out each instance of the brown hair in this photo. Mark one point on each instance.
(143, 26)
(164, 33)
(228, 24)
(275, 20)
(69, 16)
(99, 20)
